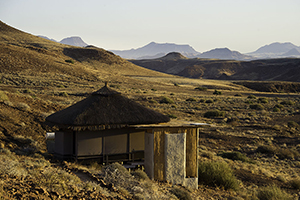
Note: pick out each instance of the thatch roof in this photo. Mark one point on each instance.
(105, 109)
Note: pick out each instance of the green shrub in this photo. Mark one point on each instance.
(257, 107)
(181, 193)
(191, 99)
(201, 88)
(166, 100)
(234, 156)
(276, 109)
(154, 89)
(63, 94)
(215, 173)
(172, 116)
(288, 103)
(176, 84)
(249, 102)
(263, 100)
(280, 106)
(251, 96)
(214, 114)
(272, 193)
(70, 61)
(152, 101)
(216, 92)
(202, 100)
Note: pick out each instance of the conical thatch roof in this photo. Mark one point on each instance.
(104, 109)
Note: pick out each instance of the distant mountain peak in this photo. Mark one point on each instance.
(224, 53)
(74, 41)
(173, 56)
(292, 52)
(276, 47)
(153, 48)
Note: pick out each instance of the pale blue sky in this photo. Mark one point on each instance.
(241, 25)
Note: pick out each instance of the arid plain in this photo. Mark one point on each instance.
(255, 133)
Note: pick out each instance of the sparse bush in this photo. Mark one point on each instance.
(251, 96)
(70, 61)
(23, 106)
(181, 193)
(237, 95)
(154, 89)
(216, 173)
(287, 103)
(63, 94)
(3, 96)
(140, 175)
(257, 107)
(216, 92)
(272, 193)
(276, 109)
(214, 114)
(201, 88)
(191, 99)
(282, 153)
(280, 106)
(152, 101)
(176, 84)
(27, 91)
(235, 156)
(295, 183)
(263, 100)
(293, 124)
(267, 149)
(166, 100)
(172, 116)
(285, 153)
(209, 101)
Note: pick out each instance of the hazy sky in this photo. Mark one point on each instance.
(242, 25)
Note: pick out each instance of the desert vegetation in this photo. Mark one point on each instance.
(251, 149)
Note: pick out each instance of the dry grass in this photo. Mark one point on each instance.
(35, 74)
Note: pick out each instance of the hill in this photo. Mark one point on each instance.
(155, 49)
(261, 70)
(224, 53)
(292, 52)
(274, 50)
(74, 41)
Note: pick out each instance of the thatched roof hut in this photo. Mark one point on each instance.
(105, 109)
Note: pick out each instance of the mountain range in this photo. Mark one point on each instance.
(73, 41)
(155, 50)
